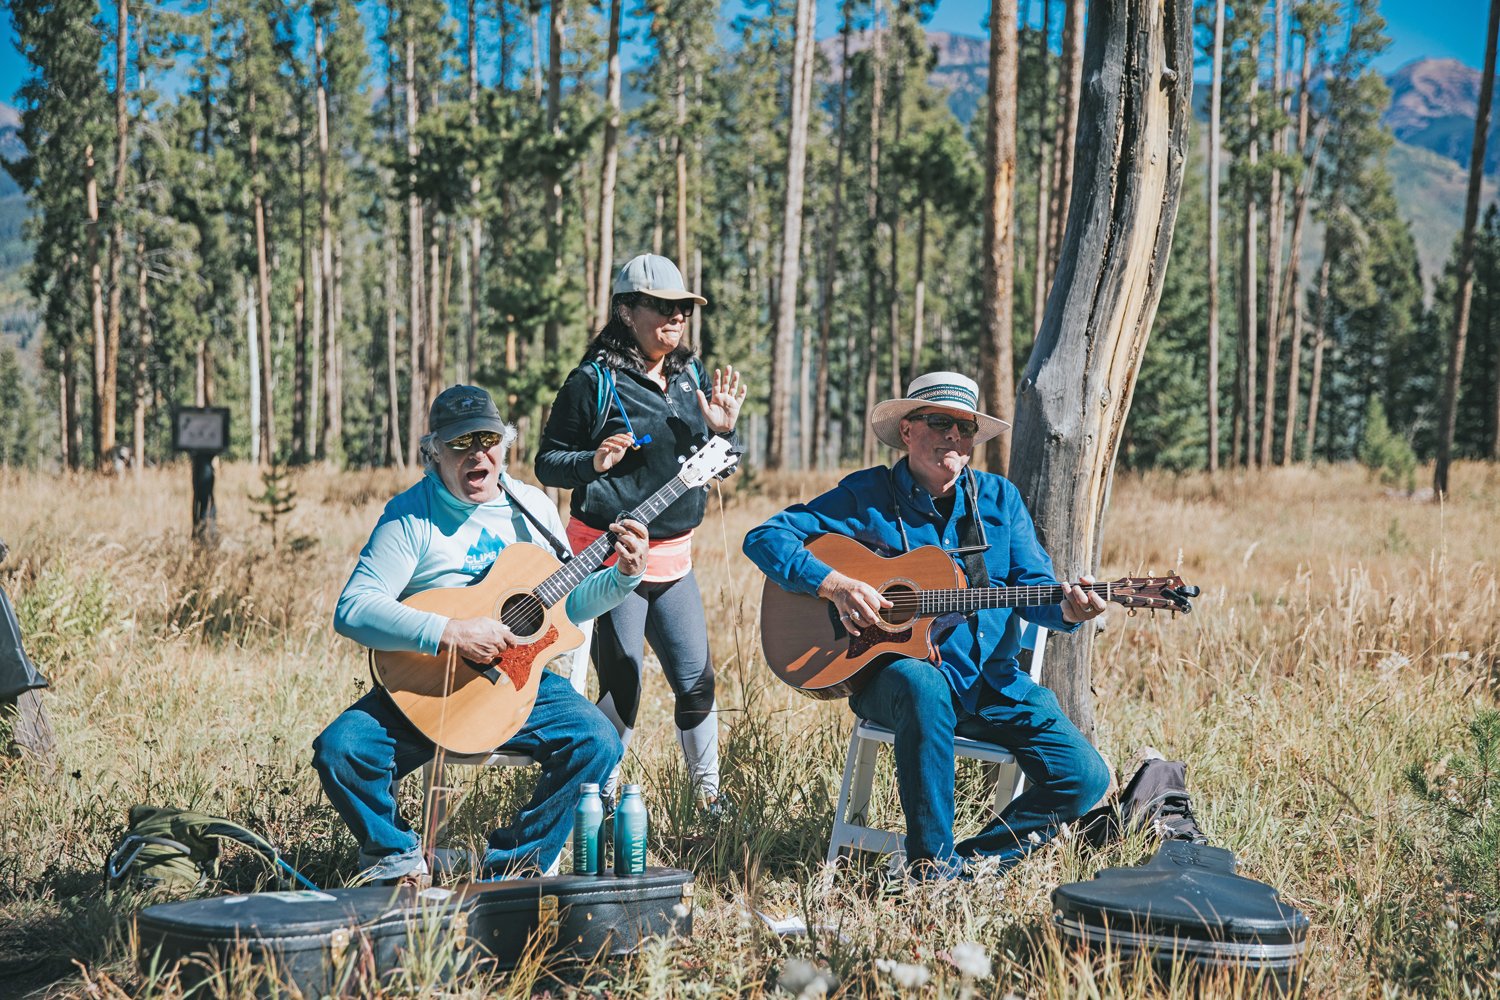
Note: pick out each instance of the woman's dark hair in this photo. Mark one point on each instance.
(615, 346)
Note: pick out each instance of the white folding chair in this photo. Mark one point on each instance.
(436, 789)
(850, 817)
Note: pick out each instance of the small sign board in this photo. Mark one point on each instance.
(201, 428)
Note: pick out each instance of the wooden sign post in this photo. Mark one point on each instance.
(202, 432)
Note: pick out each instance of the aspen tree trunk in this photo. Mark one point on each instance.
(997, 359)
(658, 224)
(893, 293)
(1040, 269)
(263, 302)
(695, 324)
(1076, 393)
(830, 243)
(416, 325)
(780, 413)
(300, 375)
(96, 305)
(472, 290)
(1320, 338)
(1215, 143)
(142, 362)
(1275, 223)
(872, 222)
(253, 344)
(109, 393)
(67, 398)
(536, 49)
(1291, 297)
(607, 172)
(679, 148)
(1249, 281)
(1071, 82)
(919, 295)
(326, 429)
(437, 329)
(552, 332)
(392, 388)
(1465, 277)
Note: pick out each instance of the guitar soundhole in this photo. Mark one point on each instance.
(523, 614)
(903, 599)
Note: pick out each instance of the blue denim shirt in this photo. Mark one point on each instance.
(987, 642)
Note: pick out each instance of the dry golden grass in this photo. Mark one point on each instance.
(1344, 635)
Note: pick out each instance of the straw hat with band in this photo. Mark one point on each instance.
(946, 390)
(652, 274)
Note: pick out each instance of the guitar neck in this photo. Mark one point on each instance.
(962, 601)
(557, 586)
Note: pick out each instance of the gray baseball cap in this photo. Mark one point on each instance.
(651, 274)
(460, 409)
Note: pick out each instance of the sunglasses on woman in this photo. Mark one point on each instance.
(484, 439)
(666, 307)
(941, 422)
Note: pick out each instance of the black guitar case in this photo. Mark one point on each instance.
(348, 941)
(1186, 904)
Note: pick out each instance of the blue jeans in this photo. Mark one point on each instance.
(371, 746)
(1065, 775)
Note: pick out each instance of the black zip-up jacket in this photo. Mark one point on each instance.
(671, 417)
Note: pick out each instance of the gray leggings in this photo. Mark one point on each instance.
(670, 617)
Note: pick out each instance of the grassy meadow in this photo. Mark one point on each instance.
(1329, 695)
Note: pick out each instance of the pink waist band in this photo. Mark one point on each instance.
(667, 559)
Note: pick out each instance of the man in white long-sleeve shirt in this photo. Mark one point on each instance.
(446, 531)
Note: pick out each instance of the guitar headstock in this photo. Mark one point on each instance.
(1165, 593)
(715, 458)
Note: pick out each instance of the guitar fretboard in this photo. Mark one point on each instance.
(931, 603)
(557, 586)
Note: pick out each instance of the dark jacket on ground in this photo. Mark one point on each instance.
(578, 423)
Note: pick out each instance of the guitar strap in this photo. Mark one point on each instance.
(563, 551)
(972, 540)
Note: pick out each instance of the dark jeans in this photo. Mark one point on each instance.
(1065, 775)
(370, 746)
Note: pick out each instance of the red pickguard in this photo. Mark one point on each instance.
(516, 662)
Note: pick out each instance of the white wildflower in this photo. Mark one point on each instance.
(1033, 838)
(681, 911)
(970, 960)
(904, 974)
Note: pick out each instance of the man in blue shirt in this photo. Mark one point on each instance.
(932, 497)
(446, 531)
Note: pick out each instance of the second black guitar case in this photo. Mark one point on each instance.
(348, 941)
(1186, 904)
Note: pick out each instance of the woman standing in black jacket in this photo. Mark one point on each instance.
(624, 421)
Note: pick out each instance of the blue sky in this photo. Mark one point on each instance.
(1452, 29)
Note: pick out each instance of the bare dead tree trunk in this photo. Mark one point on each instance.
(608, 170)
(472, 291)
(1215, 143)
(893, 293)
(300, 373)
(556, 15)
(830, 244)
(143, 378)
(679, 147)
(919, 295)
(109, 391)
(1070, 83)
(536, 49)
(997, 368)
(872, 221)
(1291, 295)
(325, 426)
(780, 413)
(1465, 277)
(1076, 393)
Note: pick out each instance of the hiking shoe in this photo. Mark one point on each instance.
(1172, 819)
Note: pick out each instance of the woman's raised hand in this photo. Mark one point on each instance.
(722, 408)
(611, 450)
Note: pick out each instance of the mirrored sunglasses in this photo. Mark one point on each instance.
(941, 422)
(484, 439)
(666, 307)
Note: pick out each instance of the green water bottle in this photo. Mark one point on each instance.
(630, 833)
(588, 831)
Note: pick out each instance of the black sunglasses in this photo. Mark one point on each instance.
(941, 422)
(666, 307)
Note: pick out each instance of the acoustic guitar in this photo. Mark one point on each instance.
(468, 707)
(807, 646)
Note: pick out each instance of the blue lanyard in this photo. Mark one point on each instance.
(637, 442)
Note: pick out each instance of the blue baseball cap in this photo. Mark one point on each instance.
(460, 409)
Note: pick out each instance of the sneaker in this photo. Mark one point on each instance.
(1172, 819)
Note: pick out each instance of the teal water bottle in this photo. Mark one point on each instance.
(630, 833)
(588, 831)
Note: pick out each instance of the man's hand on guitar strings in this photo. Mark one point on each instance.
(479, 640)
(631, 544)
(1080, 605)
(859, 603)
